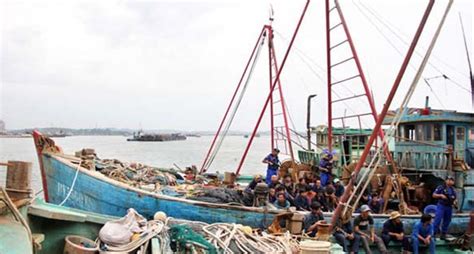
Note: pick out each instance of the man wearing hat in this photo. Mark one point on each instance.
(273, 164)
(364, 226)
(393, 231)
(446, 195)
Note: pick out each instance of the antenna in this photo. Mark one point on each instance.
(468, 61)
(271, 14)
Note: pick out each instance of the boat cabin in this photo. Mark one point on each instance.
(426, 137)
(353, 143)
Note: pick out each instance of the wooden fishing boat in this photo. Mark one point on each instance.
(77, 187)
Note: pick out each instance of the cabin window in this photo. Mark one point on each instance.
(428, 132)
(460, 132)
(437, 130)
(409, 132)
(419, 132)
(471, 135)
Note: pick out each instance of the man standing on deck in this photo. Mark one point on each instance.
(273, 164)
(446, 195)
(325, 167)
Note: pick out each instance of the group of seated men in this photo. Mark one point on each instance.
(350, 235)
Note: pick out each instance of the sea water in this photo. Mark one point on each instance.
(160, 154)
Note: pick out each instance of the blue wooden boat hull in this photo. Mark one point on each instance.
(96, 193)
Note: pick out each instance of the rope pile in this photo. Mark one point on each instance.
(234, 238)
(135, 174)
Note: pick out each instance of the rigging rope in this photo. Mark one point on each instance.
(301, 56)
(234, 110)
(396, 120)
(389, 26)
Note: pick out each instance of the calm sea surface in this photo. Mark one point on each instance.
(160, 154)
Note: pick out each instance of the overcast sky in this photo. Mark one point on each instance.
(175, 64)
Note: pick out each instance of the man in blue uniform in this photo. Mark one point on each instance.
(325, 167)
(423, 232)
(446, 195)
(273, 164)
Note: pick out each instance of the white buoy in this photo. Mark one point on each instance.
(161, 216)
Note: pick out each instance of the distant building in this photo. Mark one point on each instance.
(2, 126)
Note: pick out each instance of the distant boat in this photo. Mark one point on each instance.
(143, 137)
(256, 135)
(194, 135)
(59, 134)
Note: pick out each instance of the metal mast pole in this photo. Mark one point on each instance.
(272, 88)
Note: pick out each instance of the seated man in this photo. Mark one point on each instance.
(274, 182)
(339, 188)
(271, 195)
(345, 236)
(393, 231)
(288, 183)
(317, 187)
(330, 198)
(256, 180)
(313, 219)
(423, 232)
(301, 201)
(281, 202)
(364, 226)
(376, 203)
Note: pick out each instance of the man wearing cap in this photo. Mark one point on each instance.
(364, 226)
(338, 187)
(273, 164)
(393, 231)
(313, 219)
(446, 195)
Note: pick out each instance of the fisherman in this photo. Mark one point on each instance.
(289, 186)
(446, 195)
(330, 198)
(345, 236)
(271, 195)
(423, 232)
(281, 202)
(364, 226)
(189, 174)
(375, 203)
(273, 181)
(313, 220)
(318, 188)
(339, 188)
(393, 231)
(301, 201)
(256, 180)
(273, 164)
(325, 167)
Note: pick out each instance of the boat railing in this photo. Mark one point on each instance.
(422, 160)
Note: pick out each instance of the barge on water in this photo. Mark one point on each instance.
(144, 137)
